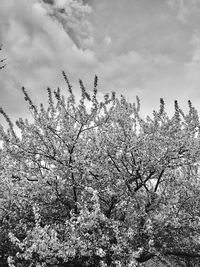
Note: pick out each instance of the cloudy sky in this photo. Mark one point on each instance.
(149, 48)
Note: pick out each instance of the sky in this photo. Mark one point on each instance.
(149, 48)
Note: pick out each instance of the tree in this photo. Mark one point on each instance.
(94, 184)
(2, 61)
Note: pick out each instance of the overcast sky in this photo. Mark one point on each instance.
(149, 48)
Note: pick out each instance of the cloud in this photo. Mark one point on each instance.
(36, 49)
(72, 15)
(192, 67)
(185, 9)
(195, 43)
(140, 48)
(50, 2)
(107, 40)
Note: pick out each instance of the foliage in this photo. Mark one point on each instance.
(2, 65)
(94, 184)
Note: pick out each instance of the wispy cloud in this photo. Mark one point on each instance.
(73, 17)
(185, 9)
(195, 47)
(36, 49)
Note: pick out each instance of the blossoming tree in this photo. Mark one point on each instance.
(92, 183)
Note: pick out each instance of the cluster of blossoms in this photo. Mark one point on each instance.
(88, 237)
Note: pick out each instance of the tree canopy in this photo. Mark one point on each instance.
(92, 183)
